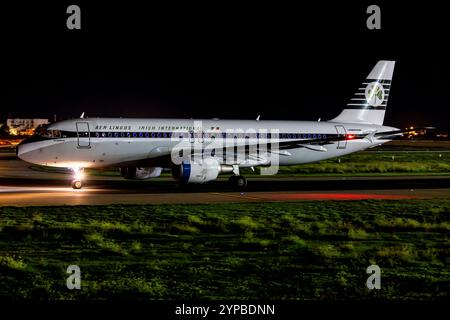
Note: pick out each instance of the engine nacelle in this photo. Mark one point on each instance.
(202, 172)
(139, 173)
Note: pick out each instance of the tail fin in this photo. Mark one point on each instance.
(368, 104)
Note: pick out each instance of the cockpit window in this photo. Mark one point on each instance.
(56, 133)
(44, 132)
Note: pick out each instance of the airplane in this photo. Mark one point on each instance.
(197, 151)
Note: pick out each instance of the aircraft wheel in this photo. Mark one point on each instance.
(238, 181)
(241, 182)
(77, 184)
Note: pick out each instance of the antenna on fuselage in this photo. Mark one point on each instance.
(82, 116)
(257, 118)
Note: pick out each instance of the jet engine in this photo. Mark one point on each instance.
(139, 173)
(202, 172)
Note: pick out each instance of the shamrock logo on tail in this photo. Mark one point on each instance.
(374, 94)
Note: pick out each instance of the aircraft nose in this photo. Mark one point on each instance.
(19, 149)
(23, 147)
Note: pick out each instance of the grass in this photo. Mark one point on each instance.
(376, 162)
(12, 263)
(286, 251)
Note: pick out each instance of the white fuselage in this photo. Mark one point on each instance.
(105, 142)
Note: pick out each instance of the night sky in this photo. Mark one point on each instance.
(283, 61)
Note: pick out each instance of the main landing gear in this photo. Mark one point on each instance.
(77, 182)
(236, 180)
(239, 182)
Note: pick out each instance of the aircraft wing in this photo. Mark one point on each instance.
(317, 144)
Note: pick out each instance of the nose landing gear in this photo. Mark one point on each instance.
(77, 182)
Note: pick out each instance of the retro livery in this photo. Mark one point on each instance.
(197, 151)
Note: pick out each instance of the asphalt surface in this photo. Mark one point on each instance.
(23, 185)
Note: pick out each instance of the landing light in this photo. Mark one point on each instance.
(78, 174)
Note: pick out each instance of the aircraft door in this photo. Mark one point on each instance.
(341, 133)
(83, 135)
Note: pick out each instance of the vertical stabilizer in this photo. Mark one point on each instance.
(368, 104)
